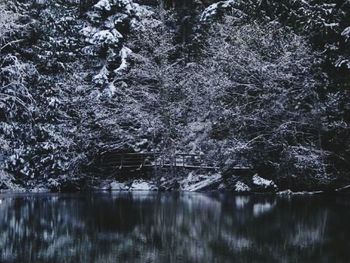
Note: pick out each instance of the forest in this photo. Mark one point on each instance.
(262, 84)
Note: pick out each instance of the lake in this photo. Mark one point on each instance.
(173, 227)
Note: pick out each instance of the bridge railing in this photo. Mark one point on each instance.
(156, 160)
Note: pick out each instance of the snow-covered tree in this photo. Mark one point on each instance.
(243, 82)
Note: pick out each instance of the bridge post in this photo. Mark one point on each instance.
(172, 164)
(155, 164)
(142, 160)
(121, 161)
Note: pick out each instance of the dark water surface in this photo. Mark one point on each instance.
(180, 227)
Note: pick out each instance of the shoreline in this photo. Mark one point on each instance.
(285, 193)
(190, 183)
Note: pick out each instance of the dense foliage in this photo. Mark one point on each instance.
(252, 83)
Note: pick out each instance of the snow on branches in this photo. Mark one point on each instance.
(109, 21)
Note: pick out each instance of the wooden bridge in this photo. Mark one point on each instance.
(138, 161)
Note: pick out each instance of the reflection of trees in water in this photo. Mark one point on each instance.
(161, 227)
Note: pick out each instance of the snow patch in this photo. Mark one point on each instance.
(346, 33)
(128, 6)
(259, 181)
(88, 31)
(241, 187)
(106, 37)
(212, 10)
(142, 11)
(103, 5)
(343, 62)
(124, 53)
(331, 25)
(101, 77)
(53, 183)
(39, 189)
(197, 126)
(140, 185)
(111, 89)
(289, 192)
